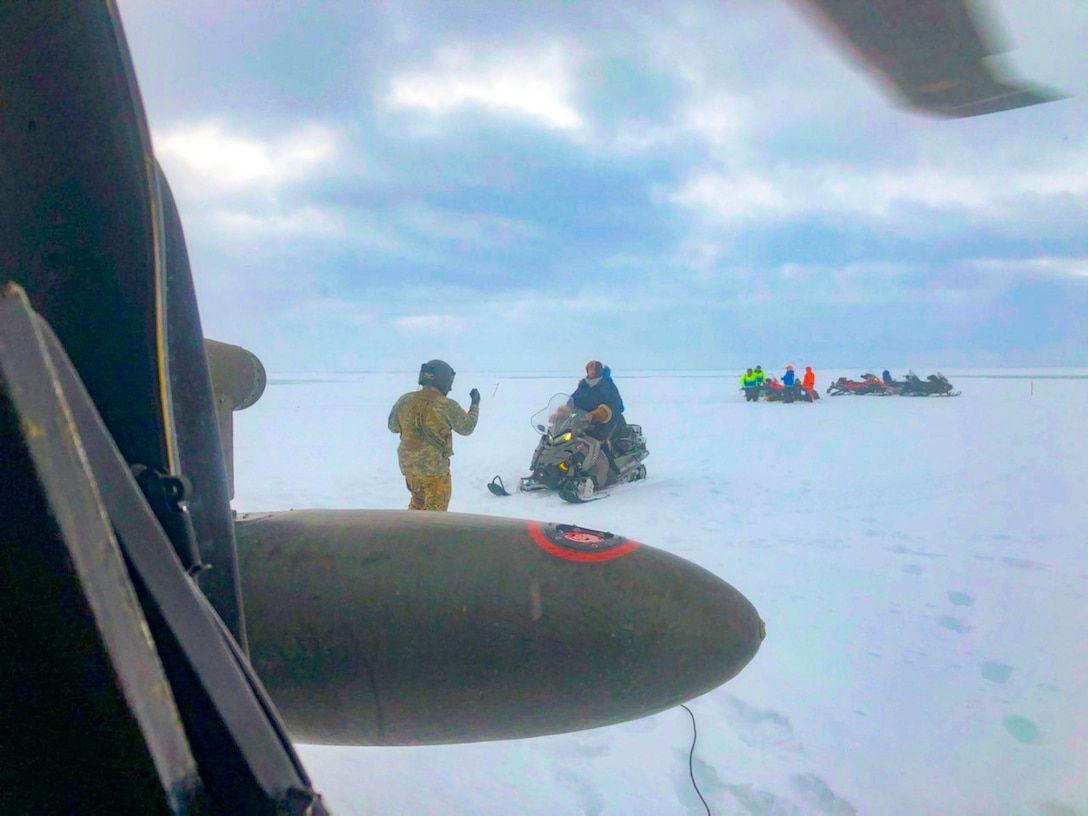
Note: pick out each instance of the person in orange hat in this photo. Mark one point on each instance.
(808, 383)
(788, 377)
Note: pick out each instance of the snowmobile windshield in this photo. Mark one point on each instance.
(559, 417)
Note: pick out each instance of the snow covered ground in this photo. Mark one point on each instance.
(921, 564)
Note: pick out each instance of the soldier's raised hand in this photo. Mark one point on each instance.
(474, 395)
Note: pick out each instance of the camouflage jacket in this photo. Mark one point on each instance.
(424, 420)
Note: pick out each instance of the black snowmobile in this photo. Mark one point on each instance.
(570, 460)
(935, 385)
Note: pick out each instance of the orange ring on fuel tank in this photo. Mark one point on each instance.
(574, 543)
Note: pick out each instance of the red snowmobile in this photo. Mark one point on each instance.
(869, 384)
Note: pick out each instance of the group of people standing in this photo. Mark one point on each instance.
(426, 419)
(755, 383)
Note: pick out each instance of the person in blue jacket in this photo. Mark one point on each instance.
(593, 391)
(789, 380)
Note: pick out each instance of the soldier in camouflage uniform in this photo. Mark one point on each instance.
(424, 419)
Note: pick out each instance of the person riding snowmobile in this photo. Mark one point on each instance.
(891, 381)
(596, 390)
(570, 458)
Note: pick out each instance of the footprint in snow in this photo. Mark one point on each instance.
(1023, 730)
(899, 549)
(583, 788)
(1055, 809)
(818, 798)
(1023, 563)
(955, 624)
(996, 672)
(706, 775)
(759, 728)
(752, 800)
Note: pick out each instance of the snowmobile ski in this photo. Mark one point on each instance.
(527, 484)
(497, 487)
(581, 491)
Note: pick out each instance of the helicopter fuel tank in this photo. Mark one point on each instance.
(393, 627)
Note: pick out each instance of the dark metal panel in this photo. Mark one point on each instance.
(237, 374)
(88, 723)
(238, 380)
(80, 226)
(241, 750)
(200, 450)
(932, 54)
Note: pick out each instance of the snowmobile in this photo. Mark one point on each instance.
(869, 384)
(935, 385)
(568, 459)
(774, 391)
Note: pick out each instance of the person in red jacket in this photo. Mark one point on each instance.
(809, 384)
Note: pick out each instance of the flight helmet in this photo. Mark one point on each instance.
(437, 373)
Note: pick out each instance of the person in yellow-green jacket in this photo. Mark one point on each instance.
(750, 383)
(425, 420)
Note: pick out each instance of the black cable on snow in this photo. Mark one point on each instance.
(691, 758)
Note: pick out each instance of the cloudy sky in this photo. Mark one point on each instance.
(526, 185)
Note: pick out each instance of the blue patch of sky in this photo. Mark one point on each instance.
(617, 88)
(1038, 314)
(840, 335)
(866, 133)
(510, 23)
(511, 174)
(259, 60)
(839, 240)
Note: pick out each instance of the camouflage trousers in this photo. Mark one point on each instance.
(429, 492)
